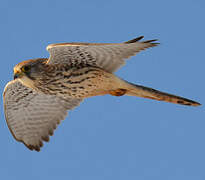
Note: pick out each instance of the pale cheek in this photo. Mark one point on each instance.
(27, 82)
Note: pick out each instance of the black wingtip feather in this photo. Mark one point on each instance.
(141, 37)
(31, 147)
(150, 41)
(134, 40)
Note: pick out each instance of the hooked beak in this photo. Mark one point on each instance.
(17, 75)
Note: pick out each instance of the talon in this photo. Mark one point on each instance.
(118, 92)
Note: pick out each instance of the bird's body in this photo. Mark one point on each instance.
(83, 81)
(80, 81)
(73, 72)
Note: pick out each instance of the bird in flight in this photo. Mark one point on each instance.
(44, 89)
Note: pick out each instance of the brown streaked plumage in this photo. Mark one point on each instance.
(44, 89)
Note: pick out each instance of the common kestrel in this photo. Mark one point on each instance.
(44, 89)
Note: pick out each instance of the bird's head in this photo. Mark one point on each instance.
(30, 70)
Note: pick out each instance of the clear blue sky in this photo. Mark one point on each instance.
(107, 137)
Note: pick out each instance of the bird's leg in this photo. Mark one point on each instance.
(117, 92)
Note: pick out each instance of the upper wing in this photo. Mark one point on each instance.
(32, 117)
(107, 56)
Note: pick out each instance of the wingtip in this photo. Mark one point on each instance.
(134, 40)
(34, 147)
(152, 42)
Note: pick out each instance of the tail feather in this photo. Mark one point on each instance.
(150, 93)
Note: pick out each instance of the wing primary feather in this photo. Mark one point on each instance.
(108, 56)
(150, 41)
(134, 40)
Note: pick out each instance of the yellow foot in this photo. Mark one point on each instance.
(118, 92)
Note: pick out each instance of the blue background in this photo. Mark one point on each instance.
(108, 137)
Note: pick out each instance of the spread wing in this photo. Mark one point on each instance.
(108, 56)
(32, 117)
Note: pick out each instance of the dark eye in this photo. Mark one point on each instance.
(26, 68)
